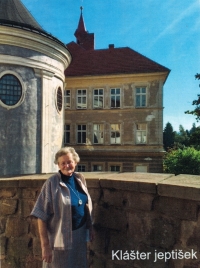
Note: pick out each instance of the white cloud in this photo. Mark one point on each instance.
(187, 12)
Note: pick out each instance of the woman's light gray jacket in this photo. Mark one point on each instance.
(54, 207)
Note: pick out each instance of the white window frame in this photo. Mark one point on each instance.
(81, 131)
(113, 98)
(99, 168)
(67, 99)
(116, 166)
(81, 167)
(81, 99)
(100, 164)
(97, 98)
(98, 133)
(23, 87)
(114, 138)
(141, 133)
(140, 96)
(141, 165)
(65, 133)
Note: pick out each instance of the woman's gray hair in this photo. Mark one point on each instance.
(65, 151)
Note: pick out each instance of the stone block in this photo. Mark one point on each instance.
(16, 227)
(164, 232)
(10, 262)
(37, 247)
(177, 208)
(25, 207)
(18, 247)
(190, 234)
(2, 225)
(30, 183)
(110, 217)
(6, 193)
(32, 263)
(114, 197)
(92, 183)
(97, 262)
(33, 227)
(29, 193)
(139, 182)
(8, 206)
(95, 194)
(116, 240)
(140, 201)
(139, 227)
(182, 186)
(2, 247)
(9, 183)
(128, 199)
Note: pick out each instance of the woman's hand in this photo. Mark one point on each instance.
(47, 254)
(46, 249)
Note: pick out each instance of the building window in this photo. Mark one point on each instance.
(98, 130)
(81, 99)
(66, 134)
(98, 98)
(59, 99)
(81, 168)
(10, 90)
(67, 99)
(115, 97)
(115, 168)
(97, 168)
(141, 134)
(115, 135)
(81, 134)
(141, 168)
(141, 96)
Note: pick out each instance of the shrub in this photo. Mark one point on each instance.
(182, 161)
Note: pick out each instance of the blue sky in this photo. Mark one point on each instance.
(164, 31)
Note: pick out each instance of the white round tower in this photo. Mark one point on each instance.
(32, 64)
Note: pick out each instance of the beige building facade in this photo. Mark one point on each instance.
(114, 108)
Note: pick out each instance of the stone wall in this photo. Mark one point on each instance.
(141, 220)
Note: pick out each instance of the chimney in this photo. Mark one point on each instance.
(111, 46)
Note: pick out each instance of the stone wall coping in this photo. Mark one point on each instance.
(181, 186)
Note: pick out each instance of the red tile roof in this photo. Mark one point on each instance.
(109, 61)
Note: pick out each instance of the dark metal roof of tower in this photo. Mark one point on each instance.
(14, 14)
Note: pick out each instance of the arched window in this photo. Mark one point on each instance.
(10, 90)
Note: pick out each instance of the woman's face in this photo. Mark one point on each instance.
(67, 164)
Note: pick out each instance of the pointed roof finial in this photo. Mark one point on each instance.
(81, 26)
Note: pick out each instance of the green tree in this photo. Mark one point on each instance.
(196, 111)
(195, 138)
(181, 138)
(168, 136)
(182, 161)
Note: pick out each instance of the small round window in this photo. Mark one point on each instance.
(59, 99)
(10, 90)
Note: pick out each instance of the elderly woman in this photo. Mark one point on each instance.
(63, 209)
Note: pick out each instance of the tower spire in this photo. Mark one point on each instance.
(81, 30)
(83, 38)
